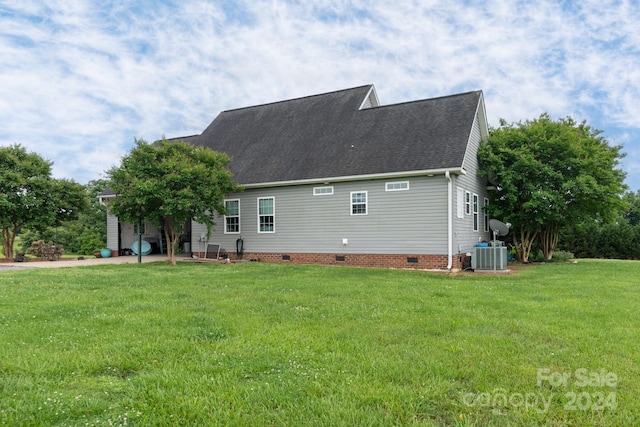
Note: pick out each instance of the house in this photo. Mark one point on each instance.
(337, 178)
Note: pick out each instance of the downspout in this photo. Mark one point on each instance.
(449, 220)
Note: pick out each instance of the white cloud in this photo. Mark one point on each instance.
(83, 78)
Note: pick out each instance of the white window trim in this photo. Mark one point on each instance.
(274, 214)
(232, 216)
(366, 203)
(388, 184)
(467, 203)
(476, 210)
(318, 191)
(486, 215)
(136, 224)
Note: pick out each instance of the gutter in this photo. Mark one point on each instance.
(447, 175)
(366, 177)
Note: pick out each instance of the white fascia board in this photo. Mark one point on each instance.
(329, 180)
(102, 199)
(482, 117)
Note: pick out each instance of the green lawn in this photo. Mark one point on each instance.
(265, 344)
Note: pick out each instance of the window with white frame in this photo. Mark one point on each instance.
(467, 203)
(397, 186)
(486, 214)
(232, 218)
(460, 200)
(266, 215)
(475, 212)
(322, 191)
(139, 227)
(358, 203)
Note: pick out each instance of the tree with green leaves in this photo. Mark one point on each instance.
(548, 174)
(170, 183)
(619, 239)
(632, 213)
(30, 197)
(84, 235)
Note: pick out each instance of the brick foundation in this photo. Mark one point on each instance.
(419, 262)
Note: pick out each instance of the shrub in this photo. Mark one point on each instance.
(90, 241)
(537, 256)
(49, 251)
(562, 256)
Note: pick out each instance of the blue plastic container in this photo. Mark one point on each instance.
(145, 247)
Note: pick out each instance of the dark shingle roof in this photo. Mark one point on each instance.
(328, 136)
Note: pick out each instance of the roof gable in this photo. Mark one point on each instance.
(342, 134)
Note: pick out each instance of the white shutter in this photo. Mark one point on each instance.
(460, 201)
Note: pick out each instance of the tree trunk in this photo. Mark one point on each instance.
(5, 242)
(168, 237)
(174, 245)
(172, 237)
(549, 239)
(8, 239)
(523, 241)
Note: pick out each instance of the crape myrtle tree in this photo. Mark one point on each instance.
(170, 183)
(30, 197)
(550, 174)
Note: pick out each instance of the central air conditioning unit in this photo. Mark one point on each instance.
(492, 257)
(489, 258)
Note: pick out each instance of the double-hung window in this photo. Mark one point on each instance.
(475, 212)
(486, 214)
(358, 203)
(467, 203)
(139, 228)
(232, 218)
(266, 215)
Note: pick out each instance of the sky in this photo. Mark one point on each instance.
(80, 80)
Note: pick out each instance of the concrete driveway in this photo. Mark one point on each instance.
(73, 262)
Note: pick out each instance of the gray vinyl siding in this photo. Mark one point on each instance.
(112, 232)
(464, 236)
(397, 222)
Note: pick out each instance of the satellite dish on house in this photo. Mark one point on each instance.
(499, 228)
